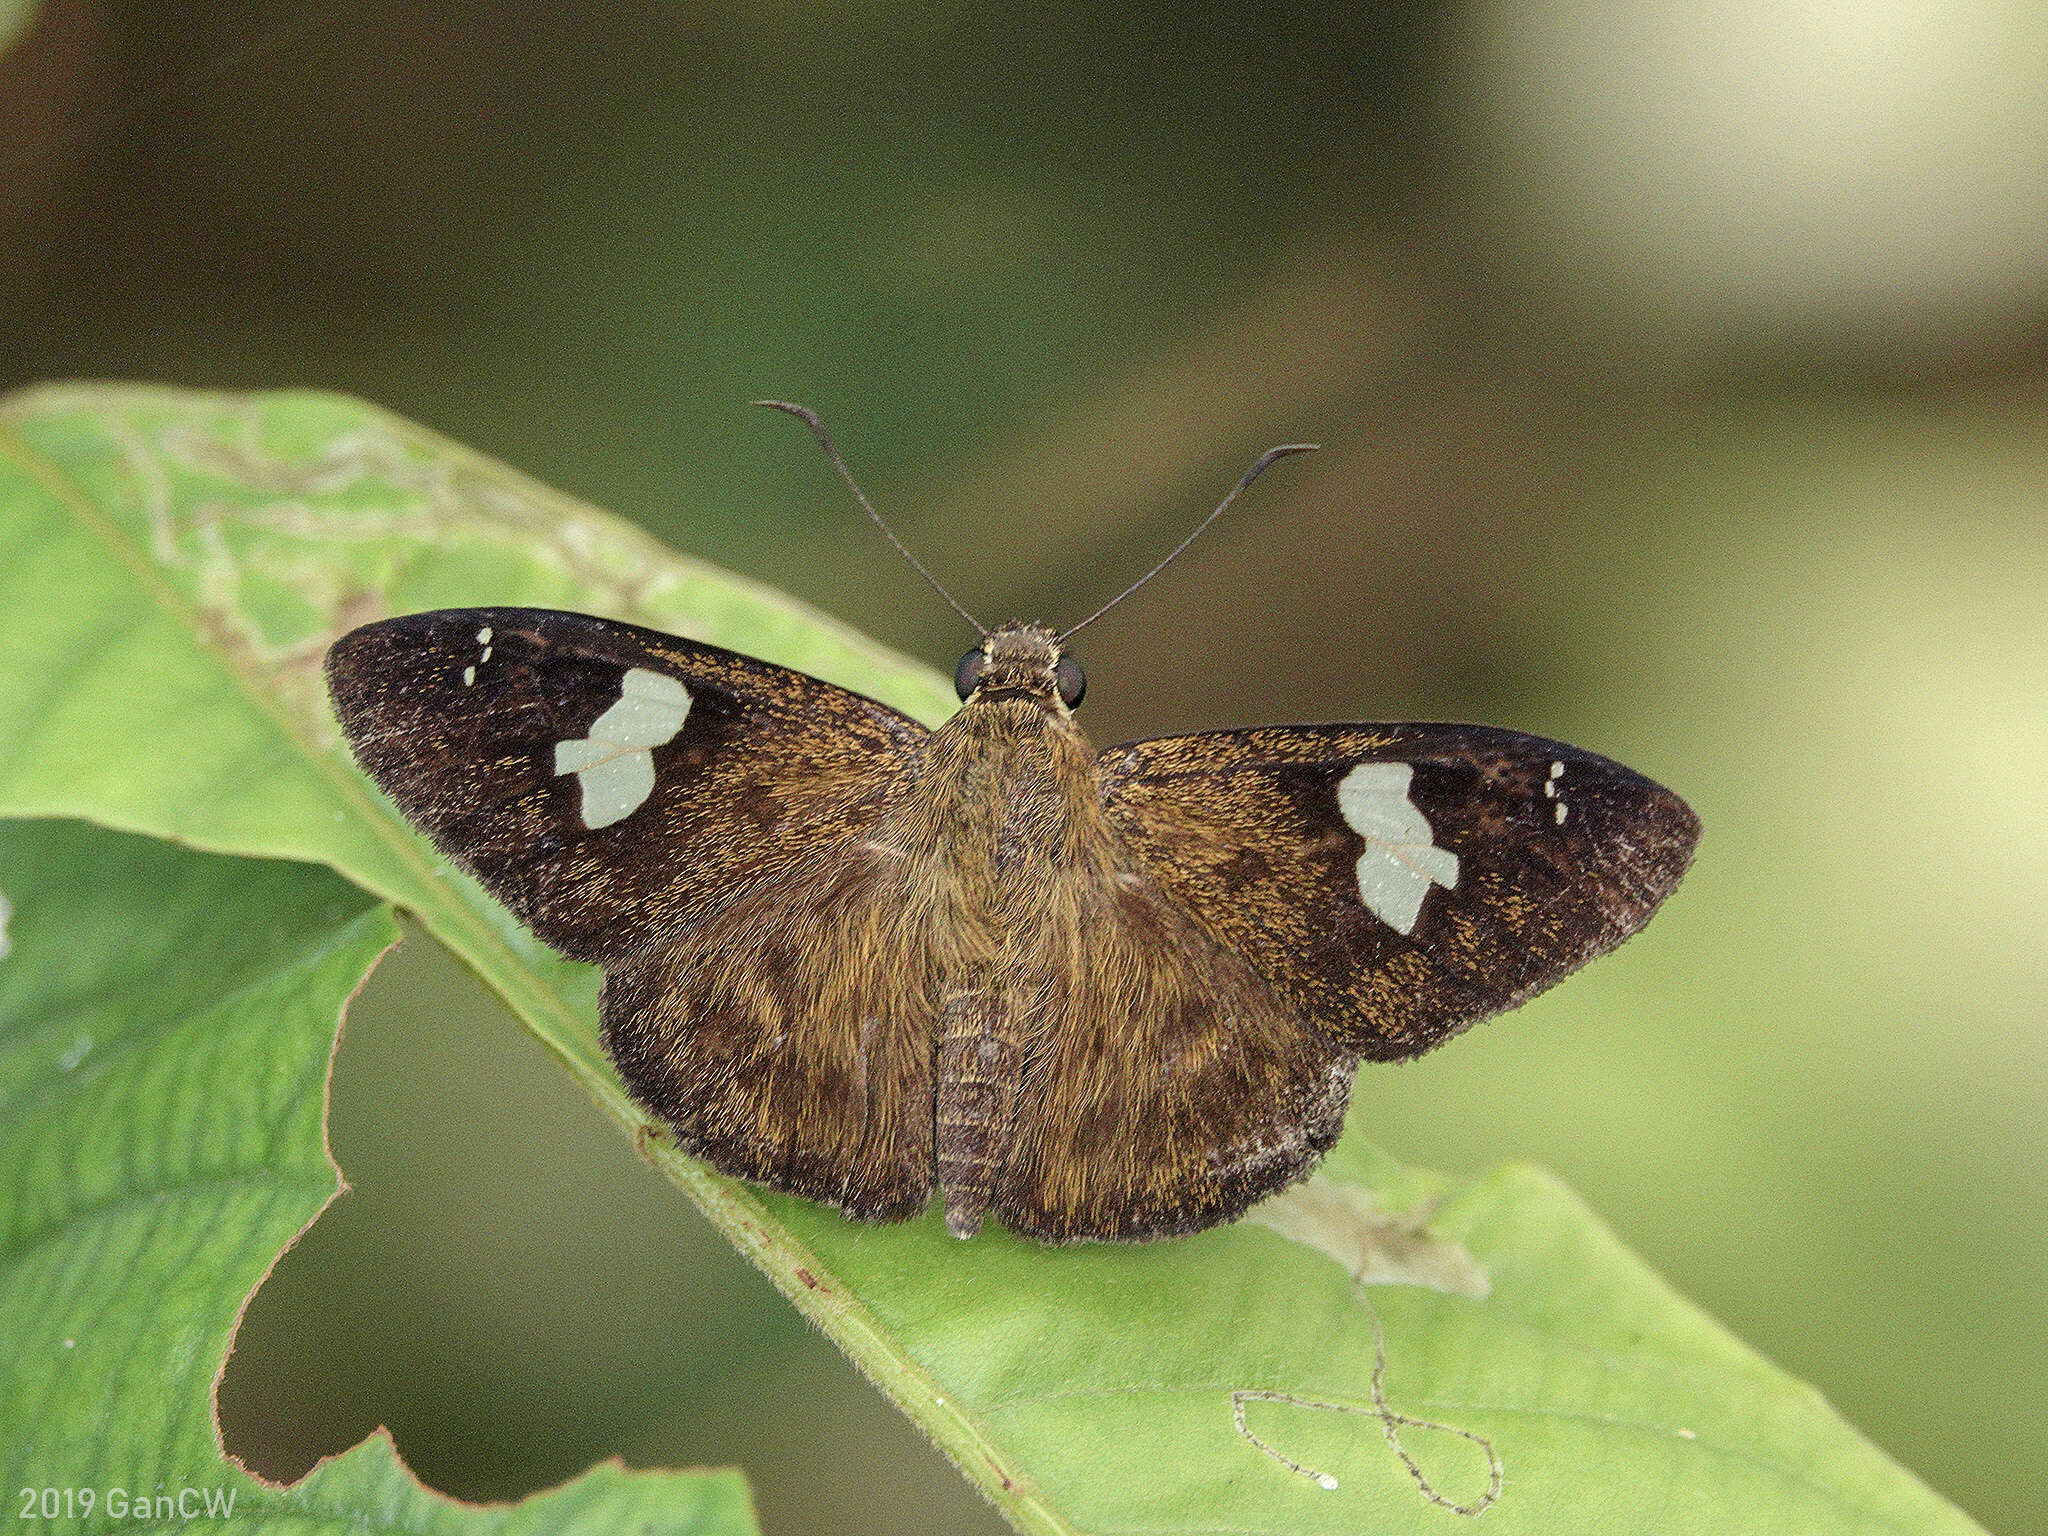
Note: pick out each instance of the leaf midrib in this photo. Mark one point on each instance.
(978, 1457)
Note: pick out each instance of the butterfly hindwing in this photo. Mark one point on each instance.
(1167, 1086)
(608, 783)
(787, 1038)
(1396, 883)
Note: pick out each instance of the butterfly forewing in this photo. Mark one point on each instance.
(1396, 883)
(608, 783)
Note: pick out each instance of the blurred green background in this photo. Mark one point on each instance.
(1682, 371)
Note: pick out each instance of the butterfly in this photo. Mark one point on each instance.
(1114, 995)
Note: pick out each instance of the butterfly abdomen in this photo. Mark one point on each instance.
(979, 1068)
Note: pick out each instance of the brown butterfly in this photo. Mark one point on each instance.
(1116, 995)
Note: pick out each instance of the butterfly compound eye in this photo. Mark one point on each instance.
(1072, 682)
(968, 673)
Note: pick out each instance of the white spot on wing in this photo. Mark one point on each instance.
(651, 709)
(616, 787)
(469, 677)
(1401, 859)
(614, 764)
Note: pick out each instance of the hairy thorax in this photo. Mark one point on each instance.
(1004, 815)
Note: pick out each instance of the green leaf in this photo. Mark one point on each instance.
(207, 548)
(166, 1023)
(15, 16)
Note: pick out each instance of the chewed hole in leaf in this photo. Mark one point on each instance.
(516, 1295)
(167, 1025)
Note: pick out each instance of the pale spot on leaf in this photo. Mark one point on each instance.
(1340, 1221)
(1373, 1246)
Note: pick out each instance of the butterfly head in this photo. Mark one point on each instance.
(1021, 661)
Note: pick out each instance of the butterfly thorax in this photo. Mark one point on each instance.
(1004, 802)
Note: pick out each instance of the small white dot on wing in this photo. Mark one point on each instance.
(1550, 790)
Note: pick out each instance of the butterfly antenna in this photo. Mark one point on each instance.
(1258, 469)
(810, 419)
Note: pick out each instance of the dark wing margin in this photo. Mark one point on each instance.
(608, 782)
(1397, 883)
